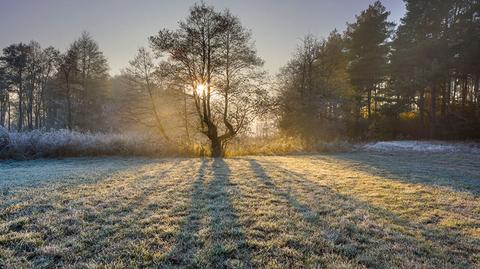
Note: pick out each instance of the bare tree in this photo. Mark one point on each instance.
(213, 55)
(33, 71)
(140, 74)
(67, 70)
(49, 66)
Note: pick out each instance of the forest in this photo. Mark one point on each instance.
(202, 84)
(362, 151)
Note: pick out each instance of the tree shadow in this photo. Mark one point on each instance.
(460, 172)
(71, 171)
(224, 245)
(128, 210)
(229, 248)
(71, 182)
(62, 175)
(352, 238)
(188, 243)
(79, 219)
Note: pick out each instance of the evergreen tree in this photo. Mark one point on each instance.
(15, 62)
(368, 48)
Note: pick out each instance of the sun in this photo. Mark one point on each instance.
(201, 88)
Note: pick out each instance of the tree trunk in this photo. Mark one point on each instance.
(454, 93)
(20, 111)
(2, 111)
(421, 106)
(449, 95)
(185, 114)
(37, 116)
(20, 103)
(369, 102)
(155, 111)
(433, 110)
(443, 108)
(216, 145)
(477, 96)
(9, 115)
(30, 109)
(69, 108)
(464, 93)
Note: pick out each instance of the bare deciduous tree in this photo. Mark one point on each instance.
(141, 76)
(213, 55)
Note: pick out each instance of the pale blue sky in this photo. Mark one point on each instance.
(121, 26)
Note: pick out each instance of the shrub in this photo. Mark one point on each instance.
(65, 143)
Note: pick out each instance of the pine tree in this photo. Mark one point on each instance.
(368, 48)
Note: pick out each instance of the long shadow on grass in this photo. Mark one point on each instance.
(229, 248)
(225, 245)
(354, 240)
(454, 170)
(45, 177)
(187, 240)
(83, 226)
(126, 210)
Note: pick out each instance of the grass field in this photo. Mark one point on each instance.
(351, 210)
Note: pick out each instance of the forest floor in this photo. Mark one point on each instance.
(349, 210)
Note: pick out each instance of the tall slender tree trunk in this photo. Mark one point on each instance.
(433, 110)
(185, 116)
(9, 115)
(30, 109)
(69, 107)
(464, 93)
(37, 116)
(449, 94)
(454, 92)
(43, 118)
(369, 103)
(20, 104)
(421, 106)
(160, 127)
(2, 111)
(477, 96)
(443, 107)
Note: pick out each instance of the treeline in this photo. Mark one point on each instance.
(197, 86)
(377, 81)
(44, 88)
(203, 83)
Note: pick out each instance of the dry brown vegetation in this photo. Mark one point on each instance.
(351, 210)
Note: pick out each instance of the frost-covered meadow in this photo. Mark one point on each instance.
(347, 210)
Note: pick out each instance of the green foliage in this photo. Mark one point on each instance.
(429, 70)
(315, 94)
(367, 48)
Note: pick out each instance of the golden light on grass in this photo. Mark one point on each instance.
(351, 209)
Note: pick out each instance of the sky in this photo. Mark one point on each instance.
(122, 26)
